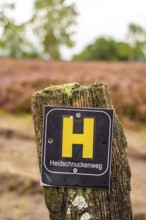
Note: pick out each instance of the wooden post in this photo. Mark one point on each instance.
(73, 203)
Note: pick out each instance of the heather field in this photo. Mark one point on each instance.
(21, 196)
(126, 82)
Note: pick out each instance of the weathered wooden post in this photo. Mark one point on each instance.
(66, 203)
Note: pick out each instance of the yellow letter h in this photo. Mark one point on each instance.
(69, 138)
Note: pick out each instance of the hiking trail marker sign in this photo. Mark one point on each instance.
(77, 147)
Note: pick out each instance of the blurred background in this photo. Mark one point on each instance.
(45, 42)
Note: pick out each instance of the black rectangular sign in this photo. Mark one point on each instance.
(77, 147)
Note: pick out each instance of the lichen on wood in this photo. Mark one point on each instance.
(112, 204)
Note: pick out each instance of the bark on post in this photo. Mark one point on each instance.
(84, 204)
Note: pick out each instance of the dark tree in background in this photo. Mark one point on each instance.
(104, 48)
(136, 37)
(52, 24)
(107, 48)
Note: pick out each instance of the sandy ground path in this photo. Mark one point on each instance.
(137, 159)
(21, 196)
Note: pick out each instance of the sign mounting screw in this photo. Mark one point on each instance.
(78, 115)
(50, 140)
(75, 170)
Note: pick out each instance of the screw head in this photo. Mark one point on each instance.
(75, 170)
(50, 140)
(78, 115)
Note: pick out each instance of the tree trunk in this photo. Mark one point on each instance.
(78, 203)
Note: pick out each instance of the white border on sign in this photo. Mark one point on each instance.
(76, 109)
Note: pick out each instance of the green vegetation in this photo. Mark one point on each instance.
(52, 22)
(50, 27)
(105, 48)
(13, 39)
